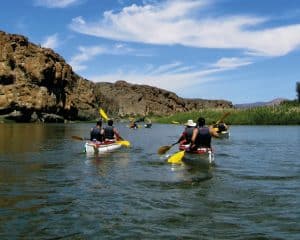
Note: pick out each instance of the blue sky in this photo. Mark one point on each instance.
(238, 50)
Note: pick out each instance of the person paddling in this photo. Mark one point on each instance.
(222, 127)
(202, 134)
(97, 132)
(110, 132)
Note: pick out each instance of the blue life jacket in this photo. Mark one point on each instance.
(203, 138)
(188, 134)
(96, 134)
(109, 132)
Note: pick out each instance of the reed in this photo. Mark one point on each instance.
(287, 113)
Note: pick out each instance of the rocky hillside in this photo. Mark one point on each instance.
(36, 84)
(132, 99)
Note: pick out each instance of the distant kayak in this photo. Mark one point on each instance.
(101, 147)
(222, 134)
(148, 125)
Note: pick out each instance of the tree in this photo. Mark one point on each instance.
(298, 90)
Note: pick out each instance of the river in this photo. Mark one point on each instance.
(50, 189)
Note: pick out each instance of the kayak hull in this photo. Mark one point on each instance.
(224, 134)
(97, 147)
(203, 160)
(202, 157)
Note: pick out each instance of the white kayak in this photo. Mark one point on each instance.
(202, 157)
(101, 147)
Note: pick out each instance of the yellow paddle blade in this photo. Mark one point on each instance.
(124, 143)
(176, 158)
(163, 149)
(103, 114)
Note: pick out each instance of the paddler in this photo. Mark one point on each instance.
(202, 134)
(110, 132)
(97, 132)
(187, 134)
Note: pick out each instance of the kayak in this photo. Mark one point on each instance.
(101, 147)
(148, 125)
(202, 157)
(224, 134)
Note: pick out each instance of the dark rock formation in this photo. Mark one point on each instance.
(36, 84)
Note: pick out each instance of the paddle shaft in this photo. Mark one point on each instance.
(223, 117)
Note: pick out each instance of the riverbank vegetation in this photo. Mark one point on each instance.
(287, 113)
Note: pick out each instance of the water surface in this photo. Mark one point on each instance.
(50, 189)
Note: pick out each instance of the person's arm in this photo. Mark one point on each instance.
(118, 136)
(213, 132)
(182, 137)
(194, 136)
(91, 134)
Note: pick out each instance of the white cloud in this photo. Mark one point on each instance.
(174, 76)
(175, 22)
(56, 3)
(51, 42)
(85, 54)
(231, 63)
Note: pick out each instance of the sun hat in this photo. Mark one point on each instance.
(190, 123)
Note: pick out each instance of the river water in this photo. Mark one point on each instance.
(50, 189)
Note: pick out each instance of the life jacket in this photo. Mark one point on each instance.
(109, 132)
(188, 134)
(203, 138)
(96, 134)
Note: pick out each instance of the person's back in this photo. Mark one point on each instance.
(188, 134)
(202, 135)
(96, 133)
(110, 132)
(203, 138)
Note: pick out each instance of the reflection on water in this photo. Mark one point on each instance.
(50, 189)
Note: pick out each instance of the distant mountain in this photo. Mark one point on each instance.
(273, 102)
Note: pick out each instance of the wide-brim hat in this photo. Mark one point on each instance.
(190, 123)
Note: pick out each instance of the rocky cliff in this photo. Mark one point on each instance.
(132, 99)
(36, 84)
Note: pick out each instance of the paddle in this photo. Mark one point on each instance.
(103, 114)
(222, 118)
(80, 138)
(164, 149)
(124, 143)
(176, 158)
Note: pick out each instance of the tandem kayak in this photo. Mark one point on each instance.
(222, 134)
(101, 147)
(202, 157)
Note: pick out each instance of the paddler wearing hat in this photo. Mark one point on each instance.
(187, 134)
